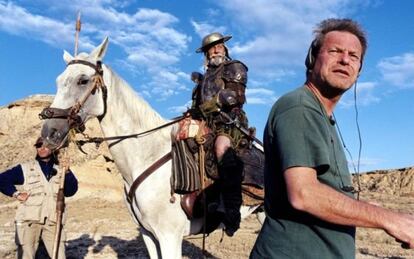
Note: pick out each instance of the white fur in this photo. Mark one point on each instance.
(164, 223)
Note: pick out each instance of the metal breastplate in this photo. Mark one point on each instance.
(212, 83)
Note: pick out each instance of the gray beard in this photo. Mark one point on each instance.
(217, 60)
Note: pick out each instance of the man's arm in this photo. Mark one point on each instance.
(307, 194)
(71, 184)
(9, 178)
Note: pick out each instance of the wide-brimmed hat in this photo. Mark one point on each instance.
(212, 39)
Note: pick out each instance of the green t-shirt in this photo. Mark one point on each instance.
(299, 133)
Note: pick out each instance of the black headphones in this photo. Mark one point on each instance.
(312, 53)
(311, 56)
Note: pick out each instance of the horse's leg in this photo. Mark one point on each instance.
(171, 246)
(170, 233)
(150, 243)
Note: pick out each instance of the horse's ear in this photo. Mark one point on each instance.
(67, 57)
(99, 52)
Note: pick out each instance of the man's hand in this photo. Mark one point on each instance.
(21, 196)
(402, 229)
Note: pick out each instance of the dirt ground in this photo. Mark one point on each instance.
(99, 228)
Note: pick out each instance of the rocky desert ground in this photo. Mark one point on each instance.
(99, 225)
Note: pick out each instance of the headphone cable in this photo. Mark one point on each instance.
(359, 137)
(356, 168)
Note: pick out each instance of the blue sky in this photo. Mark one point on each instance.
(153, 43)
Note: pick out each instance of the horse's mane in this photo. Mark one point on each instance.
(133, 103)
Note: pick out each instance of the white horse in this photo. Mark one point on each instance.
(121, 112)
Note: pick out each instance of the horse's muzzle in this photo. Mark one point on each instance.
(54, 132)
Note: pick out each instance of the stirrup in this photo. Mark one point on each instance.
(187, 203)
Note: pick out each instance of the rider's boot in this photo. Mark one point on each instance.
(230, 170)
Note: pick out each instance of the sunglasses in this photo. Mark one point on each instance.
(38, 145)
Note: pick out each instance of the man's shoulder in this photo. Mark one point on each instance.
(235, 64)
(293, 98)
(30, 162)
(297, 99)
(29, 165)
(11, 168)
(235, 71)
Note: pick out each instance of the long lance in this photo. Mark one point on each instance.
(60, 202)
(241, 128)
(78, 28)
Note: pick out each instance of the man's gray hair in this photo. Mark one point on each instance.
(346, 25)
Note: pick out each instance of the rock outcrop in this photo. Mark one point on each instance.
(19, 128)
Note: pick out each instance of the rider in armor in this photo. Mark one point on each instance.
(222, 90)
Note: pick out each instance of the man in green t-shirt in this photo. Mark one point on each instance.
(309, 200)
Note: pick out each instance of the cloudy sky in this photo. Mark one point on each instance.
(152, 46)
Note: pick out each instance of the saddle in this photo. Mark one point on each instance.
(199, 193)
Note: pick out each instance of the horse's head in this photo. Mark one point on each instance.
(81, 95)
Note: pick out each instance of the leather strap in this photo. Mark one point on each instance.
(147, 173)
(97, 67)
(99, 140)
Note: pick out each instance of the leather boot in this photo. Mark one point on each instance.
(230, 170)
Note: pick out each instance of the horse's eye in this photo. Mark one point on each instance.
(83, 80)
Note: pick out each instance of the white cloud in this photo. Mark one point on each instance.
(150, 58)
(18, 21)
(261, 96)
(399, 70)
(180, 109)
(147, 36)
(166, 83)
(277, 33)
(272, 36)
(152, 44)
(204, 28)
(365, 95)
(364, 164)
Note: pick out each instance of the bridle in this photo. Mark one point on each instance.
(72, 113)
(75, 120)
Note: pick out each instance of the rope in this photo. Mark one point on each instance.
(200, 139)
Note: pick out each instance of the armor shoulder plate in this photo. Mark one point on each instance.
(235, 71)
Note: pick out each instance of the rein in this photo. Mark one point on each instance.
(99, 140)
